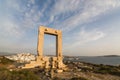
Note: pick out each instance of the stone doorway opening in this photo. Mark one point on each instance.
(49, 45)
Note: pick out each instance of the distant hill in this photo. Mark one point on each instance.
(6, 53)
(111, 56)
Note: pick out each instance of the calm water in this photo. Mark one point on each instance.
(97, 60)
(102, 60)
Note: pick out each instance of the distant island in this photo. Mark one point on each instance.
(111, 56)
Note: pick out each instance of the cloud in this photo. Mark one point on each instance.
(32, 1)
(10, 29)
(64, 6)
(64, 14)
(17, 17)
(83, 13)
(90, 35)
(85, 36)
(8, 26)
(35, 15)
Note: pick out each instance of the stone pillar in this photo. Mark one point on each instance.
(59, 45)
(40, 42)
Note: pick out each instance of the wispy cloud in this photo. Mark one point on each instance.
(17, 17)
(86, 36)
(8, 26)
(83, 36)
(64, 14)
(83, 13)
(65, 6)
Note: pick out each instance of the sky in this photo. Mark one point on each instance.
(89, 27)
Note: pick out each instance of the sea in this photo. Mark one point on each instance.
(101, 60)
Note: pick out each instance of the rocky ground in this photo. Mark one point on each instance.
(76, 71)
(90, 71)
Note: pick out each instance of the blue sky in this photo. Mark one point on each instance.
(90, 27)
